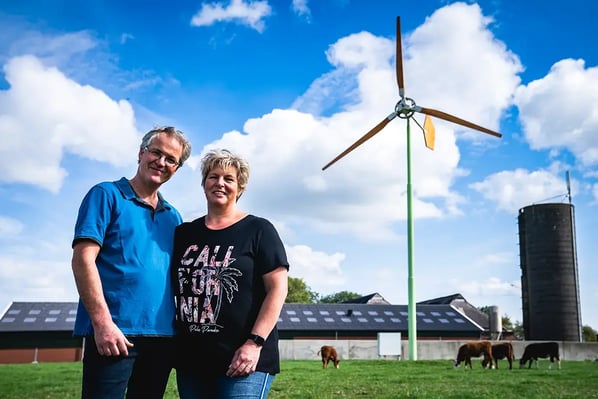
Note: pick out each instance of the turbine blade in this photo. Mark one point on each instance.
(363, 139)
(454, 119)
(429, 132)
(399, 60)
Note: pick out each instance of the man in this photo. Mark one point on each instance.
(121, 255)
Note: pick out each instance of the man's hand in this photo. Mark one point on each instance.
(110, 341)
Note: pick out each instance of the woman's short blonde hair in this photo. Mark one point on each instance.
(222, 158)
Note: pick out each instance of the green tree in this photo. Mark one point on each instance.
(518, 330)
(339, 297)
(589, 334)
(507, 324)
(299, 292)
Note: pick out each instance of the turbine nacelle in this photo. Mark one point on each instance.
(405, 108)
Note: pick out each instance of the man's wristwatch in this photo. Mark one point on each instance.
(259, 341)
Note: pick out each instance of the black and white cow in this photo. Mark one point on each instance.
(540, 350)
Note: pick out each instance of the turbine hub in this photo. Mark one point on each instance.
(405, 108)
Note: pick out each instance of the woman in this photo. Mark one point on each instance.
(230, 270)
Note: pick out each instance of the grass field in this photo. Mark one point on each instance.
(355, 379)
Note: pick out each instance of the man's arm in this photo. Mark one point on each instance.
(110, 341)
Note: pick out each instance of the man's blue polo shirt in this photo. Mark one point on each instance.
(136, 245)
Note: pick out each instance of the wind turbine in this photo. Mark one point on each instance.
(405, 109)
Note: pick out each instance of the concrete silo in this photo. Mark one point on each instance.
(495, 321)
(549, 277)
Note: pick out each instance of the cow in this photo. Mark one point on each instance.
(503, 350)
(329, 354)
(475, 349)
(543, 350)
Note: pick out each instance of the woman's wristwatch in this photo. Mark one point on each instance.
(256, 339)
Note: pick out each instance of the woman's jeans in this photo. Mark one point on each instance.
(192, 386)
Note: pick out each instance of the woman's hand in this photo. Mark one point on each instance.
(245, 360)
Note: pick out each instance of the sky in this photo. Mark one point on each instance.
(289, 85)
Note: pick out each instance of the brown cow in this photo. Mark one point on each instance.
(329, 354)
(475, 349)
(503, 350)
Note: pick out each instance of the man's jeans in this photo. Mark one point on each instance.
(143, 373)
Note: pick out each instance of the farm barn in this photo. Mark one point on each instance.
(42, 331)
(39, 332)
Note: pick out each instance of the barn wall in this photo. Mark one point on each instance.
(12, 356)
(426, 350)
(347, 349)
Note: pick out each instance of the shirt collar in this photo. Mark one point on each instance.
(128, 193)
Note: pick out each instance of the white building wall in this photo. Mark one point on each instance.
(426, 350)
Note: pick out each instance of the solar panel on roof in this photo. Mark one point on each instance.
(294, 317)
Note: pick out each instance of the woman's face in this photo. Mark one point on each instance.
(221, 186)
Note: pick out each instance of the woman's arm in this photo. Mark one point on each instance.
(276, 284)
(246, 357)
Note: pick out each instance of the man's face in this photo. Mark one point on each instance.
(160, 160)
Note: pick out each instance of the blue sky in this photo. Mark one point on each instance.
(289, 85)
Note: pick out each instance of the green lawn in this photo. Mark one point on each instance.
(354, 379)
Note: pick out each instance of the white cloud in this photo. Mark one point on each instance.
(45, 114)
(125, 37)
(364, 193)
(493, 286)
(10, 227)
(53, 49)
(560, 110)
(42, 280)
(301, 8)
(473, 81)
(250, 13)
(311, 265)
(512, 190)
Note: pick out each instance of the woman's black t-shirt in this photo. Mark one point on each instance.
(219, 290)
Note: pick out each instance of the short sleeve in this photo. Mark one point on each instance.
(95, 214)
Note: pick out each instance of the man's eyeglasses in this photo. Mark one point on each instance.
(157, 154)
